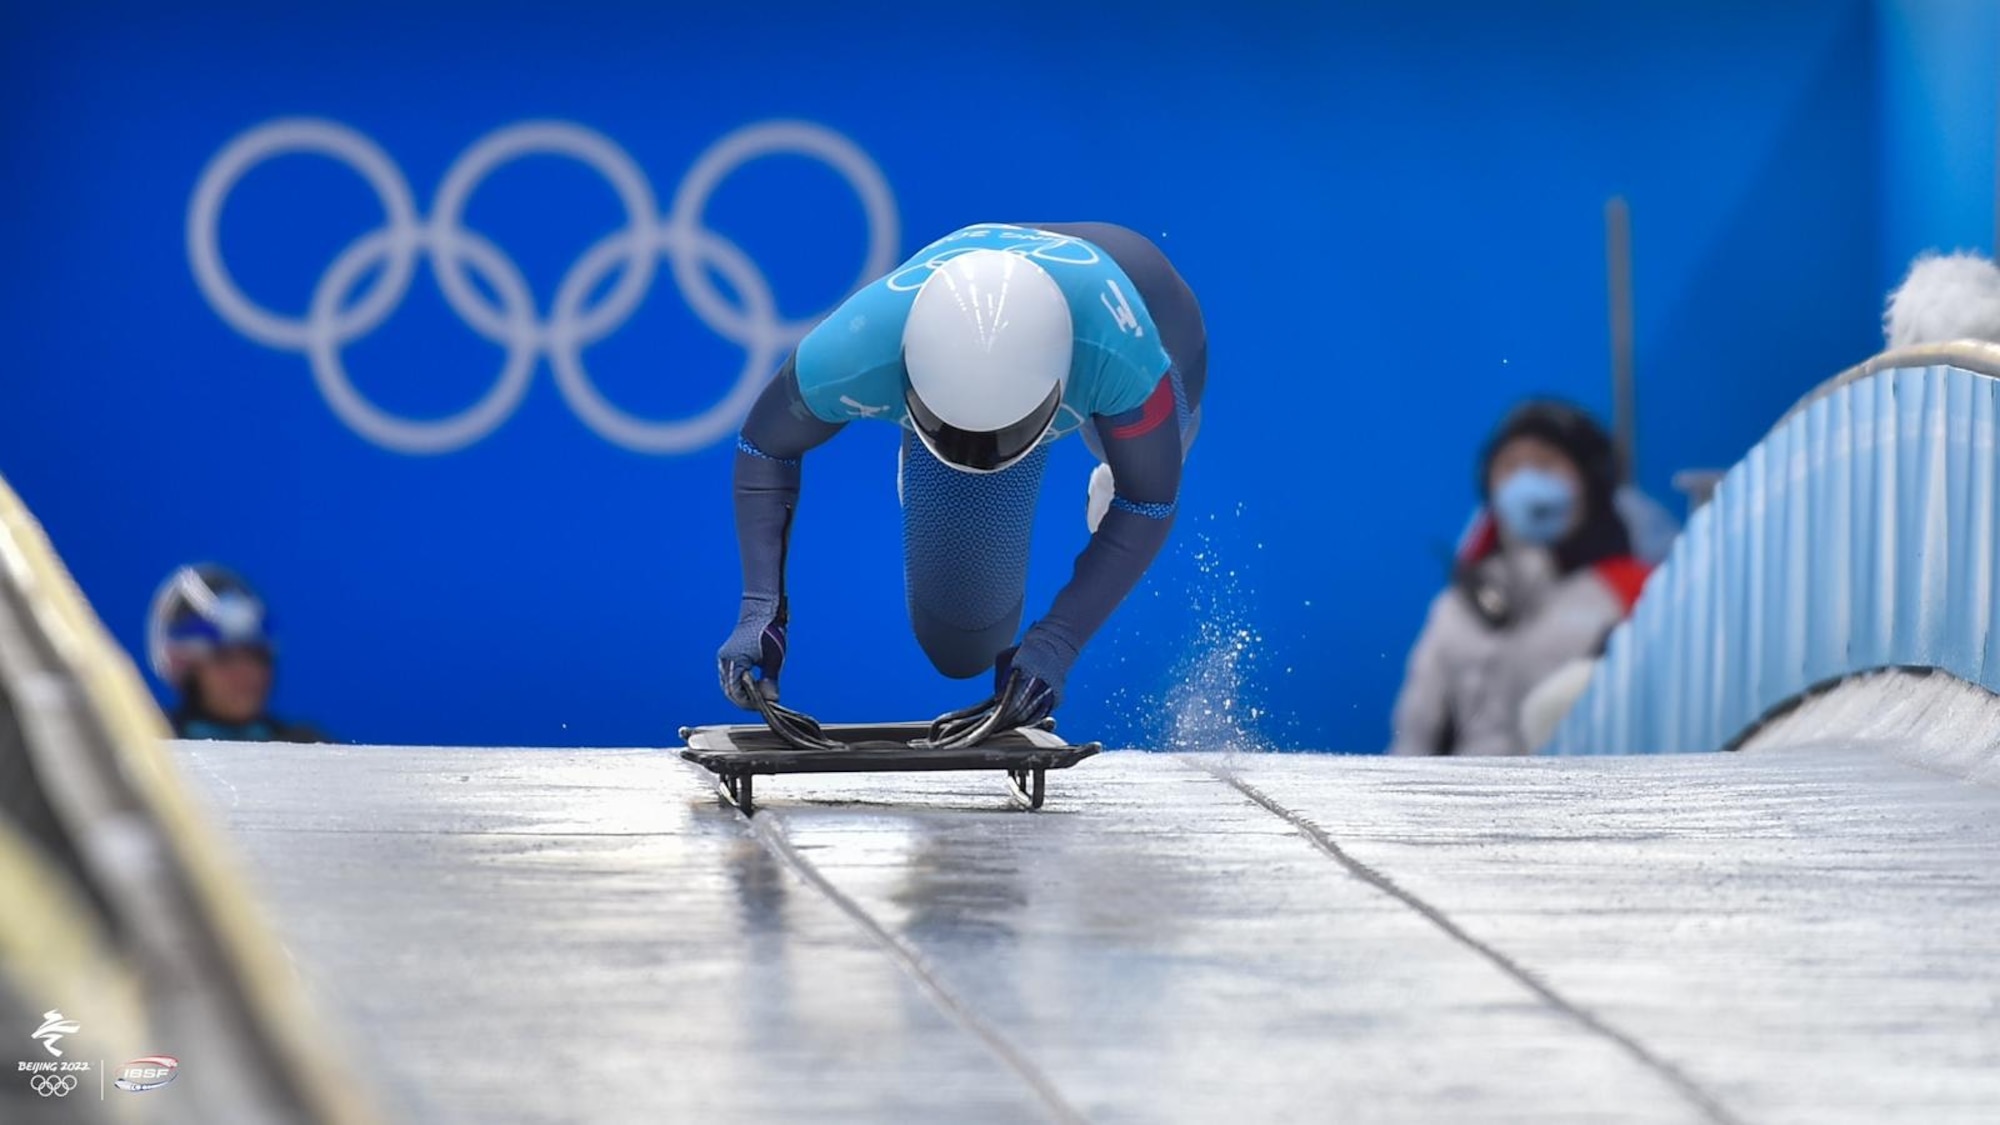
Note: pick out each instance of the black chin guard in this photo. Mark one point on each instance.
(982, 451)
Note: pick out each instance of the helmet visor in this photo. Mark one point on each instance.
(982, 451)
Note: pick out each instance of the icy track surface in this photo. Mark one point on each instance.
(556, 935)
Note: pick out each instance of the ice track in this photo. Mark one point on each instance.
(1810, 935)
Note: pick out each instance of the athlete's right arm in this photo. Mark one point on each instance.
(776, 436)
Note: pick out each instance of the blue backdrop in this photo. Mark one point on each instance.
(1939, 74)
(308, 291)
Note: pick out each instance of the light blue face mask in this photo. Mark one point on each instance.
(1534, 506)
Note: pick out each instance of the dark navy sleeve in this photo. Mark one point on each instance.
(778, 433)
(1143, 449)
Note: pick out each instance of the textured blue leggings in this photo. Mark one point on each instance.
(965, 555)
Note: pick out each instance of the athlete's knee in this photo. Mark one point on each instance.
(959, 652)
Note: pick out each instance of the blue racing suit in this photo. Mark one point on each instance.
(1139, 364)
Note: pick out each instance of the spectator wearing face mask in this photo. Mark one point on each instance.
(210, 640)
(1539, 584)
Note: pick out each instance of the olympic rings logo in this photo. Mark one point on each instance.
(52, 1085)
(337, 316)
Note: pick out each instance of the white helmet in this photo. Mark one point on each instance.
(987, 346)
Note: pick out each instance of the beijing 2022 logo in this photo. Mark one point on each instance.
(337, 316)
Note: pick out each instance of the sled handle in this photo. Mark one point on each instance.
(798, 729)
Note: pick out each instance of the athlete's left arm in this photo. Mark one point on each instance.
(1143, 449)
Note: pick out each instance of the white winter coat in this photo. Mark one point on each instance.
(1471, 678)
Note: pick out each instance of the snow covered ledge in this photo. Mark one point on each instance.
(1930, 719)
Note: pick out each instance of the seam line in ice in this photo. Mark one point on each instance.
(1710, 1105)
(764, 826)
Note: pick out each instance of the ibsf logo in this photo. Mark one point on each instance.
(149, 1073)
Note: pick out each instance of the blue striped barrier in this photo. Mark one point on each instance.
(1858, 535)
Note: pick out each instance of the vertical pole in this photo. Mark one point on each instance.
(1618, 277)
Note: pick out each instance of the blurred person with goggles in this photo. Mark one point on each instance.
(209, 639)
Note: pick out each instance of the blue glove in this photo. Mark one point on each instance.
(1020, 699)
(756, 646)
(1025, 700)
(1041, 656)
